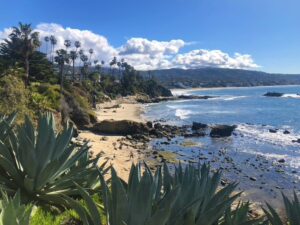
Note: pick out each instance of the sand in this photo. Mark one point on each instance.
(116, 149)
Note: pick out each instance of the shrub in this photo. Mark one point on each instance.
(43, 164)
(187, 198)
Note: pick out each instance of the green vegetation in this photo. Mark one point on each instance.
(44, 167)
(47, 179)
(67, 81)
(220, 77)
(12, 212)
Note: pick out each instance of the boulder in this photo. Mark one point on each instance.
(197, 126)
(149, 124)
(121, 127)
(158, 126)
(273, 130)
(222, 131)
(273, 94)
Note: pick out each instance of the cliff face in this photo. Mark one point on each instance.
(218, 77)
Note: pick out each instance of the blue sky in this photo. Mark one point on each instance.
(268, 30)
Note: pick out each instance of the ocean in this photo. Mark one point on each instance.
(252, 153)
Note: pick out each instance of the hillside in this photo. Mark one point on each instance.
(218, 77)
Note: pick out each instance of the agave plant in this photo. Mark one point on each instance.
(239, 216)
(42, 163)
(199, 202)
(138, 202)
(292, 209)
(189, 197)
(12, 212)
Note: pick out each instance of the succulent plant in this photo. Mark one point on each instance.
(12, 212)
(42, 163)
(189, 197)
(292, 210)
(239, 216)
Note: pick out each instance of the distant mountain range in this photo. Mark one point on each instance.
(218, 77)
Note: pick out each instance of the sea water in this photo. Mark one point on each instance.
(253, 150)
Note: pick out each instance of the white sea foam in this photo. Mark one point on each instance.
(263, 134)
(291, 96)
(177, 92)
(233, 98)
(182, 113)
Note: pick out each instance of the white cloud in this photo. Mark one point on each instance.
(153, 47)
(4, 34)
(142, 53)
(102, 49)
(213, 58)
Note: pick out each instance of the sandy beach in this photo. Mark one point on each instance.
(119, 151)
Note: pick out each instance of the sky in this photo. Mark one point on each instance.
(160, 34)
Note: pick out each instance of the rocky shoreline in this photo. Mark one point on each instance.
(124, 138)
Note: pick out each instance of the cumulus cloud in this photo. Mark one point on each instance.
(142, 53)
(213, 58)
(147, 47)
(4, 34)
(102, 49)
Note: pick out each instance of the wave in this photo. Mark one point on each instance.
(182, 113)
(262, 133)
(291, 96)
(233, 98)
(226, 98)
(177, 92)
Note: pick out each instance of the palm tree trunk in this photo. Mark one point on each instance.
(73, 70)
(61, 78)
(26, 71)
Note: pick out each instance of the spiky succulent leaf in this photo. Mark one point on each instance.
(44, 164)
(12, 212)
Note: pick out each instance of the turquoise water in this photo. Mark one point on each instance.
(252, 149)
(235, 106)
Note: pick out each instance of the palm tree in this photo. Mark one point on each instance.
(77, 45)
(22, 43)
(102, 64)
(47, 39)
(91, 51)
(84, 58)
(112, 63)
(53, 42)
(73, 57)
(68, 44)
(119, 64)
(61, 58)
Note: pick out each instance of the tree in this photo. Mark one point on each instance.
(61, 58)
(112, 63)
(77, 45)
(84, 58)
(47, 39)
(53, 42)
(21, 44)
(73, 57)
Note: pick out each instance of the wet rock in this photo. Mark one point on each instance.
(274, 94)
(149, 124)
(158, 126)
(273, 130)
(197, 126)
(296, 141)
(222, 131)
(281, 160)
(121, 127)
